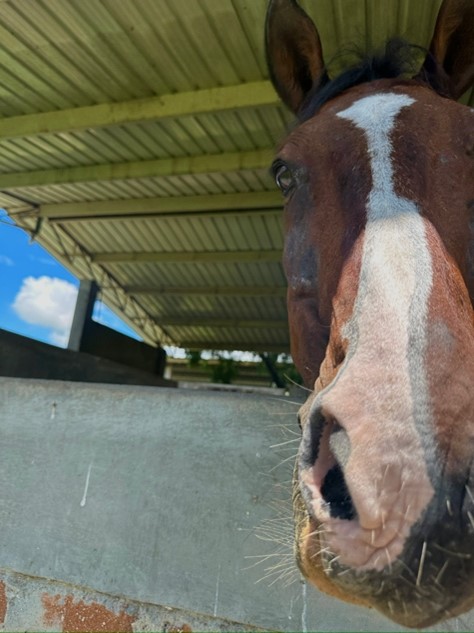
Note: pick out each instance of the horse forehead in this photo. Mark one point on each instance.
(372, 109)
(376, 113)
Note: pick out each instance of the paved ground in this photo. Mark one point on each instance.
(156, 495)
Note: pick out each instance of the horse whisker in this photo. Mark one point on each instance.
(471, 518)
(292, 457)
(437, 580)
(468, 490)
(296, 439)
(451, 553)
(448, 506)
(422, 562)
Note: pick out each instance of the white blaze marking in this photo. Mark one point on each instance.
(376, 116)
(380, 393)
(396, 272)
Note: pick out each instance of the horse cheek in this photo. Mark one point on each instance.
(308, 336)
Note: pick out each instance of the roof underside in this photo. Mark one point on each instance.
(135, 141)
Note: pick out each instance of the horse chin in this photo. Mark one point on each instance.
(402, 571)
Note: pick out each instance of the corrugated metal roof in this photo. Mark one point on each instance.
(135, 138)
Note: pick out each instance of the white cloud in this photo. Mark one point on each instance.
(6, 261)
(48, 302)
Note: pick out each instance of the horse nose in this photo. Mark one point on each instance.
(362, 464)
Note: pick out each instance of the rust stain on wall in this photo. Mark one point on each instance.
(77, 616)
(184, 628)
(3, 602)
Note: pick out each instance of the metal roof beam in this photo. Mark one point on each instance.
(60, 244)
(220, 291)
(252, 94)
(228, 203)
(203, 257)
(209, 163)
(233, 324)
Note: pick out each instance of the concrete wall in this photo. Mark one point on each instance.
(102, 341)
(94, 338)
(26, 358)
(28, 603)
(159, 496)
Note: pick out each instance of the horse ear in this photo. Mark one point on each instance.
(293, 51)
(449, 66)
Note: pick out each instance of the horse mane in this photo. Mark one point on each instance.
(398, 58)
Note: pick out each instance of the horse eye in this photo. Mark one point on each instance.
(284, 179)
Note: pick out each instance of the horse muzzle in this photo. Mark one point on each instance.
(370, 526)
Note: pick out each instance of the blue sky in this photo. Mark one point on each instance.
(37, 294)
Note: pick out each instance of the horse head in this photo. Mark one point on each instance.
(378, 180)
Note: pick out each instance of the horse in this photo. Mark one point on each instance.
(377, 176)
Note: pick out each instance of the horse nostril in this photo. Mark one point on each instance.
(324, 454)
(334, 489)
(336, 494)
